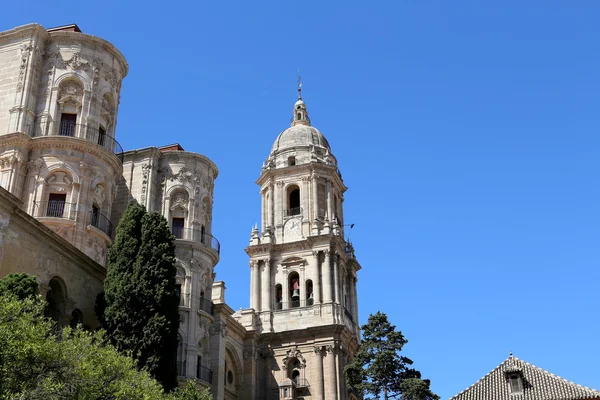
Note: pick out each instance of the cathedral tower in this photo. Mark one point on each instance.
(303, 272)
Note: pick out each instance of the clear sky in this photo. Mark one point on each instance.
(466, 131)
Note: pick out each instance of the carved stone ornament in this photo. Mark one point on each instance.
(184, 175)
(293, 354)
(318, 350)
(25, 52)
(145, 174)
(179, 200)
(218, 327)
(75, 63)
(59, 178)
(70, 91)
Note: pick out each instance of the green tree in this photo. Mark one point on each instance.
(378, 368)
(141, 316)
(36, 364)
(21, 285)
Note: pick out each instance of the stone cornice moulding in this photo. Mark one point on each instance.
(49, 142)
(208, 251)
(310, 169)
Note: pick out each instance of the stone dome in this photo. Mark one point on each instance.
(299, 136)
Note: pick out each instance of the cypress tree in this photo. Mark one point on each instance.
(142, 309)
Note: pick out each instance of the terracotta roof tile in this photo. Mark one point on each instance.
(538, 384)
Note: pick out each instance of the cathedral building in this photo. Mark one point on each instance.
(65, 181)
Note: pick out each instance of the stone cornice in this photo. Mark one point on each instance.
(307, 244)
(22, 32)
(82, 145)
(303, 169)
(34, 29)
(211, 253)
(61, 245)
(56, 36)
(130, 154)
(15, 139)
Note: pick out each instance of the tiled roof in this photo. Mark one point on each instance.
(538, 384)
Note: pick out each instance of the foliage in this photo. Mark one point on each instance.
(21, 285)
(141, 313)
(36, 364)
(378, 368)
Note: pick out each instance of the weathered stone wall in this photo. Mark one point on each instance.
(28, 246)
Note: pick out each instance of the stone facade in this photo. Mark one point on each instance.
(68, 278)
(59, 95)
(179, 185)
(65, 182)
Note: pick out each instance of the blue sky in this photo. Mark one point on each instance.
(466, 131)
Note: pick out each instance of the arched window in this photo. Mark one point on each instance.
(309, 293)
(56, 301)
(76, 318)
(278, 297)
(294, 287)
(293, 200)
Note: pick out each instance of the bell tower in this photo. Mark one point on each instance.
(303, 272)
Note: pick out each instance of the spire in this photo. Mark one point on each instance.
(300, 114)
(299, 85)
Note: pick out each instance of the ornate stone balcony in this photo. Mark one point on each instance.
(79, 131)
(196, 235)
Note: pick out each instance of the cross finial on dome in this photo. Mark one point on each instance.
(300, 116)
(299, 85)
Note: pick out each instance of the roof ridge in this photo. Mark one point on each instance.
(582, 391)
(559, 377)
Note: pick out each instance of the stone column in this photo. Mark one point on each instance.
(329, 201)
(263, 213)
(266, 285)
(327, 295)
(272, 204)
(331, 389)
(285, 291)
(319, 375)
(336, 277)
(315, 193)
(254, 285)
(317, 278)
(355, 301)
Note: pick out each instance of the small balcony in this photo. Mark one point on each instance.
(196, 235)
(81, 131)
(290, 212)
(101, 222)
(204, 373)
(300, 383)
(205, 305)
(55, 209)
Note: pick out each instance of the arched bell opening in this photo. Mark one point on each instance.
(278, 297)
(294, 289)
(309, 293)
(293, 197)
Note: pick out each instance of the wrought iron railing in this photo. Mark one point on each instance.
(101, 222)
(81, 131)
(204, 373)
(293, 211)
(197, 235)
(206, 305)
(180, 368)
(55, 209)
